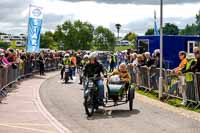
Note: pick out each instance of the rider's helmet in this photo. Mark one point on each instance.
(66, 55)
(93, 55)
(85, 57)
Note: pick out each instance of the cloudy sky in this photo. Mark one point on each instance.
(133, 15)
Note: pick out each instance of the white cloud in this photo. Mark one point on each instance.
(152, 2)
(107, 14)
(133, 17)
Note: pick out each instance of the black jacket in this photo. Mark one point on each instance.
(149, 62)
(92, 69)
(195, 66)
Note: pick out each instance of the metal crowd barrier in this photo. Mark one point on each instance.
(185, 87)
(11, 75)
(197, 86)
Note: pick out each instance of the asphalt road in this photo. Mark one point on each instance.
(65, 103)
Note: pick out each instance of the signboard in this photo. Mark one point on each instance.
(34, 29)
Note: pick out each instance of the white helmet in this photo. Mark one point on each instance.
(93, 55)
(85, 56)
(67, 55)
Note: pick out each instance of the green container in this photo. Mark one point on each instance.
(115, 89)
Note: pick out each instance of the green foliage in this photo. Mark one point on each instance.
(122, 48)
(131, 36)
(77, 35)
(104, 39)
(170, 29)
(198, 23)
(150, 31)
(189, 30)
(4, 45)
(1, 33)
(193, 29)
(13, 45)
(198, 18)
(47, 41)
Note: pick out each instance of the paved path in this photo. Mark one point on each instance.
(64, 102)
(20, 111)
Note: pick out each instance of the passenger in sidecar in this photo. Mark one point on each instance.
(118, 82)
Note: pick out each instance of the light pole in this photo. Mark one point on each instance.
(161, 51)
(118, 26)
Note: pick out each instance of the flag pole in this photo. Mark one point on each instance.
(30, 2)
(161, 51)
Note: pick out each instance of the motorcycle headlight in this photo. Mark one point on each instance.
(90, 84)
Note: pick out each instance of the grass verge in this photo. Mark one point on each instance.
(172, 101)
(122, 48)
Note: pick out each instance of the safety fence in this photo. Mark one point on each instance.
(185, 86)
(15, 72)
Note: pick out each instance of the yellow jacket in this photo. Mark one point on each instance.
(124, 76)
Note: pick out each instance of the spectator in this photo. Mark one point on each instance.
(2, 64)
(156, 58)
(5, 59)
(131, 67)
(41, 62)
(140, 60)
(112, 62)
(149, 61)
(74, 62)
(135, 60)
(181, 79)
(195, 65)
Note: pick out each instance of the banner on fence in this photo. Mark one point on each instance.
(34, 28)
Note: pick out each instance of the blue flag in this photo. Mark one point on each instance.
(156, 32)
(34, 29)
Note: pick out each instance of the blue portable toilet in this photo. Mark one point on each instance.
(172, 45)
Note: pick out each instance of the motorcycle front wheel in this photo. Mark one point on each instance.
(89, 104)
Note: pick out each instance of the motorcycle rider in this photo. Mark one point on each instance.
(95, 68)
(83, 63)
(66, 61)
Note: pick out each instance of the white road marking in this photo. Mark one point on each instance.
(26, 128)
(47, 115)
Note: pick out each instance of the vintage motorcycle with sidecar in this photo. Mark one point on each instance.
(118, 93)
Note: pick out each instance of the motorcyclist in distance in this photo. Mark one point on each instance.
(83, 63)
(66, 61)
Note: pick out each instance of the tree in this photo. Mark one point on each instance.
(84, 34)
(198, 18)
(77, 35)
(131, 36)
(193, 29)
(104, 38)
(150, 31)
(4, 45)
(170, 29)
(189, 30)
(47, 41)
(198, 23)
(1, 33)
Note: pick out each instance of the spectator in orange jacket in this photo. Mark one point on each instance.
(73, 59)
(182, 65)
